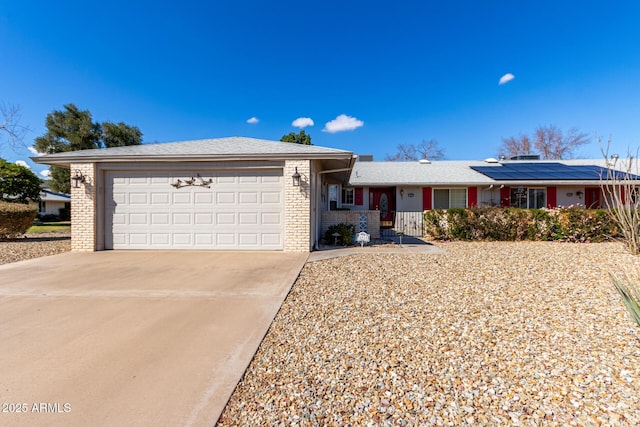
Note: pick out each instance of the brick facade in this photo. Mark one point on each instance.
(83, 209)
(297, 207)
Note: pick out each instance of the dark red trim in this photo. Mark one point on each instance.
(358, 197)
(472, 197)
(426, 199)
(505, 197)
(552, 197)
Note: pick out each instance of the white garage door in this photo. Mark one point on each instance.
(239, 210)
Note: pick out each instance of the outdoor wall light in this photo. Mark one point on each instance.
(402, 193)
(579, 194)
(78, 178)
(296, 178)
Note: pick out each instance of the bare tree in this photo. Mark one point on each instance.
(514, 146)
(552, 143)
(621, 188)
(425, 150)
(549, 141)
(10, 126)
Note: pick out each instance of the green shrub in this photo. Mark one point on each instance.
(512, 224)
(15, 219)
(346, 232)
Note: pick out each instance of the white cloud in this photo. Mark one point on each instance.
(253, 120)
(22, 163)
(34, 151)
(302, 122)
(45, 173)
(342, 123)
(506, 78)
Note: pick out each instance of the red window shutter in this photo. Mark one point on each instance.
(426, 199)
(505, 197)
(358, 198)
(472, 197)
(552, 199)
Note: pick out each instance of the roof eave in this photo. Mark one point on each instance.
(68, 160)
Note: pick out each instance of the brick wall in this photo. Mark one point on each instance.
(330, 218)
(297, 207)
(83, 209)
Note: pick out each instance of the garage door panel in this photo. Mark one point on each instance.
(273, 239)
(160, 239)
(272, 198)
(160, 198)
(248, 198)
(248, 239)
(228, 198)
(204, 239)
(183, 198)
(138, 219)
(181, 239)
(226, 180)
(248, 180)
(160, 180)
(181, 218)
(271, 218)
(228, 218)
(143, 180)
(248, 218)
(119, 219)
(225, 239)
(160, 218)
(203, 198)
(203, 218)
(140, 239)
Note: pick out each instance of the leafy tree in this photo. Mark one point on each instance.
(425, 150)
(18, 183)
(549, 141)
(120, 135)
(10, 126)
(73, 129)
(297, 138)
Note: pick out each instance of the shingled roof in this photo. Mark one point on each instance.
(232, 148)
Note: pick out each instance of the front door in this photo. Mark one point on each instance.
(383, 199)
(592, 197)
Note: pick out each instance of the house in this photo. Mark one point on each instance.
(222, 194)
(250, 194)
(54, 204)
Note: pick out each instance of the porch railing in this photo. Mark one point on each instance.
(408, 223)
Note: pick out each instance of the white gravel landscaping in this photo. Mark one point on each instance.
(528, 333)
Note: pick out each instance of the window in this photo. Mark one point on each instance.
(347, 196)
(445, 198)
(531, 198)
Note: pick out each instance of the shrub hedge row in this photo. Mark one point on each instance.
(569, 224)
(15, 219)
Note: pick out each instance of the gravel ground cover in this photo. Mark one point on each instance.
(34, 245)
(528, 334)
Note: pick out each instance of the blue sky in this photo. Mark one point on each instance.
(398, 72)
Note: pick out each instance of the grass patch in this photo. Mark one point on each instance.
(47, 227)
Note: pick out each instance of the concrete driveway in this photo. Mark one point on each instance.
(133, 337)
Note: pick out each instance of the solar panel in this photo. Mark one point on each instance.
(546, 171)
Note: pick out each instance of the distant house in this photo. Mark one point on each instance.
(52, 203)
